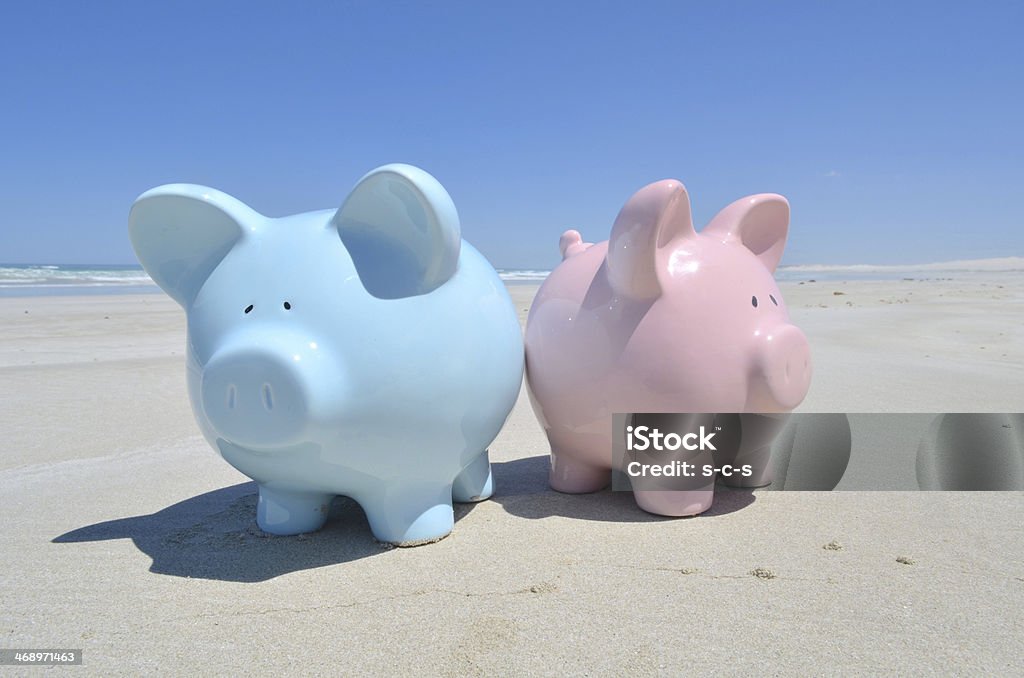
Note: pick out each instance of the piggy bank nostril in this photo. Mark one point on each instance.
(786, 364)
(256, 397)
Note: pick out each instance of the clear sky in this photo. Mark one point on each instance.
(894, 128)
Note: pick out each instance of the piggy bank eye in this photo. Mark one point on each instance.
(287, 306)
(772, 297)
(248, 308)
(753, 300)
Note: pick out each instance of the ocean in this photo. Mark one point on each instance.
(19, 280)
(31, 280)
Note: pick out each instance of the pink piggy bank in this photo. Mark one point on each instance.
(660, 318)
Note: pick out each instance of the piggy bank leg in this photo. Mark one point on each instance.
(474, 482)
(675, 503)
(753, 449)
(760, 461)
(410, 516)
(572, 476)
(287, 512)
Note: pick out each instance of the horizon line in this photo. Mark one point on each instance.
(1013, 261)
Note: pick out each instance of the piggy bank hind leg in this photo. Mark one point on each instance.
(410, 515)
(572, 475)
(287, 512)
(573, 470)
(474, 482)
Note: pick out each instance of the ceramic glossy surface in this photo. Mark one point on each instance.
(366, 351)
(661, 318)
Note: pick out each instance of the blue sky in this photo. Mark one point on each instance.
(893, 128)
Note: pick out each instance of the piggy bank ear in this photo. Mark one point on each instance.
(180, 232)
(655, 216)
(402, 231)
(758, 222)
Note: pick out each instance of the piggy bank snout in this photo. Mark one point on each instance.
(785, 364)
(255, 398)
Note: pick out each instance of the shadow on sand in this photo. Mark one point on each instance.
(522, 489)
(214, 535)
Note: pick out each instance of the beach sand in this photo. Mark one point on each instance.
(126, 535)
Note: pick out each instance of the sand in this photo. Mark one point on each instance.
(124, 533)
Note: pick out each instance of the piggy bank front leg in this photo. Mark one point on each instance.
(675, 503)
(745, 460)
(410, 515)
(760, 471)
(287, 512)
(474, 482)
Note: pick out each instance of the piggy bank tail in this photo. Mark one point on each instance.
(571, 243)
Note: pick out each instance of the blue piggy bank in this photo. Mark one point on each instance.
(366, 351)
